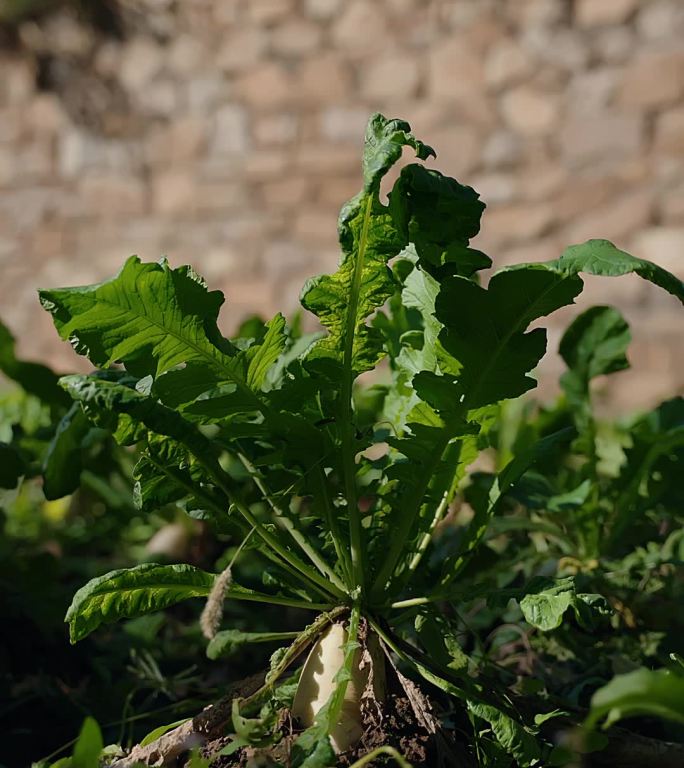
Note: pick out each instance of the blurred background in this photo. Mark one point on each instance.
(227, 133)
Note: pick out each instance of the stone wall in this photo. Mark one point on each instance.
(226, 133)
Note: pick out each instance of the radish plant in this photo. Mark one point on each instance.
(270, 437)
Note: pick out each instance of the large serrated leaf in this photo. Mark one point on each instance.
(149, 316)
(486, 330)
(155, 319)
(369, 238)
(133, 592)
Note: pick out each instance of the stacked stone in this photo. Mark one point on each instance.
(227, 135)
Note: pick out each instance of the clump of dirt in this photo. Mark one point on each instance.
(397, 727)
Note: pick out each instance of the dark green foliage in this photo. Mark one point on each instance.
(341, 494)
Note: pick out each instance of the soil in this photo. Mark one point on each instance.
(398, 727)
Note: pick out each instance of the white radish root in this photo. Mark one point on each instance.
(317, 684)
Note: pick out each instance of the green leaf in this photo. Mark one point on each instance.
(154, 319)
(160, 731)
(546, 601)
(167, 473)
(439, 216)
(594, 344)
(133, 592)
(439, 640)
(484, 512)
(601, 257)
(149, 316)
(369, 238)
(33, 378)
(384, 142)
(12, 467)
(128, 414)
(62, 464)
(89, 745)
(486, 330)
(231, 640)
(656, 693)
(512, 735)
(657, 442)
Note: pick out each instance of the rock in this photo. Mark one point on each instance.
(268, 12)
(275, 129)
(598, 13)
(241, 49)
(592, 91)
(495, 188)
(17, 82)
(213, 198)
(106, 195)
(614, 44)
(653, 80)
(394, 76)
(360, 26)
(565, 49)
(266, 164)
(231, 130)
(458, 149)
(506, 64)
(141, 61)
(456, 77)
(538, 13)
(45, 116)
(343, 124)
(173, 192)
(316, 225)
(671, 208)
(322, 80)
(455, 72)
(289, 192)
(296, 38)
(8, 166)
(614, 220)
(186, 55)
(502, 149)
(326, 159)
(10, 126)
(322, 9)
(660, 20)
(530, 112)
(601, 137)
(663, 246)
(669, 133)
(338, 191)
(181, 141)
(516, 222)
(79, 150)
(541, 180)
(266, 86)
(162, 100)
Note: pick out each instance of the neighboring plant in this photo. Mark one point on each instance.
(271, 438)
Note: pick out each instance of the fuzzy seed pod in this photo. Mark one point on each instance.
(210, 620)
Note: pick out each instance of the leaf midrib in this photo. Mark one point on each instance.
(215, 356)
